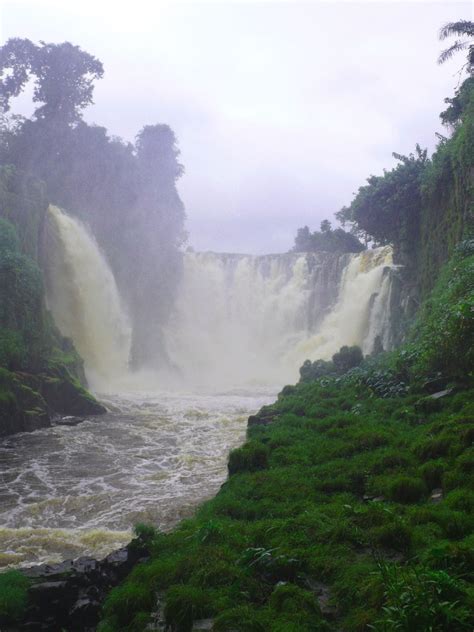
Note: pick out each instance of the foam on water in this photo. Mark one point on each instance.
(70, 491)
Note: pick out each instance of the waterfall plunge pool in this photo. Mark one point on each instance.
(69, 491)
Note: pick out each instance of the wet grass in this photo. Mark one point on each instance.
(326, 522)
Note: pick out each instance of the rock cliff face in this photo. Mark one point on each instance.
(41, 374)
(29, 401)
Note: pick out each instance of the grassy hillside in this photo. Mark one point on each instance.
(350, 506)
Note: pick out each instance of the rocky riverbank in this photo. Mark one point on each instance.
(29, 401)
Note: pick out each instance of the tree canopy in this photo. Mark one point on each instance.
(125, 192)
(464, 29)
(63, 77)
(326, 240)
(388, 207)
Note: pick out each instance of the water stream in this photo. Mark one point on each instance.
(241, 328)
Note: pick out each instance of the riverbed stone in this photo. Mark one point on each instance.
(69, 595)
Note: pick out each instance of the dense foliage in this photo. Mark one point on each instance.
(326, 240)
(388, 208)
(345, 359)
(423, 207)
(125, 192)
(21, 304)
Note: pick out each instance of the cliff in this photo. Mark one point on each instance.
(41, 374)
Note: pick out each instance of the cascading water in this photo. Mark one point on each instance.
(83, 298)
(242, 319)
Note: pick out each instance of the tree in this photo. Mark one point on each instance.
(326, 240)
(63, 77)
(462, 28)
(388, 207)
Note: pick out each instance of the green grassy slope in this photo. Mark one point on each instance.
(350, 506)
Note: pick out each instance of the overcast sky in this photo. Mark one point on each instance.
(281, 109)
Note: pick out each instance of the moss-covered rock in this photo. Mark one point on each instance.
(28, 402)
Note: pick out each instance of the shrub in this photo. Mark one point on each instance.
(347, 358)
(241, 619)
(183, 605)
(434, 448)
(311, 371)
(252, 456)
(393, 535)
(292, 599)
(126, 600)
(422, 599)
(432, 473)
(406, 489)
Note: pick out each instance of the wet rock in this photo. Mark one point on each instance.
(436, 495)
(68, 421)
(375, 499)
(66, 396)
(441, 394)
(158, 623)
(68, 596)
(434, 385)
(33, 401)
(263, 418)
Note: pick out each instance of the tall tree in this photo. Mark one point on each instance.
(63, 77)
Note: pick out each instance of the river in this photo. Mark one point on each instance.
(68, 491)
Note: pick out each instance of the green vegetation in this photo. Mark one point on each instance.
(40, 370)
(326, 240)
(423, 207)
(345, 359)
(13, 596)
(125, 192)
(350, 508)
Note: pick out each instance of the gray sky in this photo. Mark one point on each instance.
(281, 109)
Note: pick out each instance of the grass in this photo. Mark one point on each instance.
(332, 497)
(13, 596)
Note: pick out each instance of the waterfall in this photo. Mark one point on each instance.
(82, 295)
(241, 318)
(238, 319)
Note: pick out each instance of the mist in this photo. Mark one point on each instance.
(281, 110)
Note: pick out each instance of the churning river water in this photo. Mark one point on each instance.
(238, 319)
(68, 491)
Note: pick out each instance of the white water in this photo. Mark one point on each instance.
(84, 300)
(71, 491)
(247, 319)
(240, 321)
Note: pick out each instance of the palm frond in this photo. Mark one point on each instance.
(449, 52)
(462, 27)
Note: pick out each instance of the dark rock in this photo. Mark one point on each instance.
(436, 495)
(30, 401)
(66, 396)
(68, 596)
(441, 394)
(264, 417)
(68, 421)
(434, 385)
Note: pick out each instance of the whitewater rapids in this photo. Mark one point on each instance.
(241, 327)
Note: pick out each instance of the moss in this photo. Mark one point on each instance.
(13, 596)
